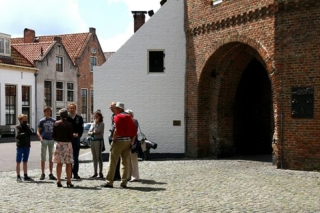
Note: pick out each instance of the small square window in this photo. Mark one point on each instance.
(156, 61)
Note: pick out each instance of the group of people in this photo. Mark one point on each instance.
(62, 140)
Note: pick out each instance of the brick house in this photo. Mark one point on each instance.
(253, 75)
(74, 57)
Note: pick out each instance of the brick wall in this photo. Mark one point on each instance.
(221, 41)
(85, 81)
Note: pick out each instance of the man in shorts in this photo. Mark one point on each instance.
(44, 132)
(23, 133)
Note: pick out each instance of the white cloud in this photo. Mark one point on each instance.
(52, 17)
(42, 16)
(114, 43)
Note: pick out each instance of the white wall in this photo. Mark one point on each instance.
(19, 78)
(155, 98)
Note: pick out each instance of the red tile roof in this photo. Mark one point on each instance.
(19, 59)
(32, 51)
(74, 43)
(15, 59)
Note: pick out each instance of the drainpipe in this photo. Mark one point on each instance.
(281, 140)
(186, 134)
(36, 98)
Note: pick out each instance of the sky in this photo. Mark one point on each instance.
(112, 19)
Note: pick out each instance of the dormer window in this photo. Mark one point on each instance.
(5, 47)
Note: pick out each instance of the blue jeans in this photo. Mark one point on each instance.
(76, 151)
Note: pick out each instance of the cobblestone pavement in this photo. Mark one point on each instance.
(172, 186)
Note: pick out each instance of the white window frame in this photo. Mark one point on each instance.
(2, 51)
(5, 44)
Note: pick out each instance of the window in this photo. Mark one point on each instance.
(70, 92)
(84, 105)
(1, 45)
(57, 114)
(59, 91)
(48, 93)
(59, 64)
(11, 114)
(93, 62)
(156, 61)
(7, 46)
(91, 97)
(25, 97)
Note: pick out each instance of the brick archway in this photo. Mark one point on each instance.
(211, 104)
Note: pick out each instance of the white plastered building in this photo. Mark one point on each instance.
(132, 76)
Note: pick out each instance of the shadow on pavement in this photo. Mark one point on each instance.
(143, 181)
(146, 189)
(83, 187)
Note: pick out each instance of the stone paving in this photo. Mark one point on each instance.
(172, 186)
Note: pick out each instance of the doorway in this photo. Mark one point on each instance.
(253, 114)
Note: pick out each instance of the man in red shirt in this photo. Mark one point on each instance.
(123, 136)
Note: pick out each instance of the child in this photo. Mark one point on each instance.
(23, 133)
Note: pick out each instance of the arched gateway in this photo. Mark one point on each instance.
(253, 76)
(235, 101)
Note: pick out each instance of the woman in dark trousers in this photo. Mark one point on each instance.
(96, 132)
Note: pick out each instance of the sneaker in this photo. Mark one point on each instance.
(42, 177)
(51, 177)
(19, 180)
(27, 178)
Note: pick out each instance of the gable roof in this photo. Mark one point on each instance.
(73, 43)
(33, 51)
(15, 59)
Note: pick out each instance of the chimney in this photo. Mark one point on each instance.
(139, 19)
(29, 35)
(57, 39)
(92, 30)
(162, 2)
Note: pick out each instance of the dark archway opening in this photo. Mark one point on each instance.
(253, 112)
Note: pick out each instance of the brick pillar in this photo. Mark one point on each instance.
(139, 19)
